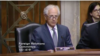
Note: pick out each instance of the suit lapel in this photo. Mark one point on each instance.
(48, 35)
(59, 36)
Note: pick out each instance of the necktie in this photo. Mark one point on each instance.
(54, 37)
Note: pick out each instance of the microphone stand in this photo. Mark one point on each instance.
(63, 41)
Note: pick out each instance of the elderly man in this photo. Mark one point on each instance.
(51, 34)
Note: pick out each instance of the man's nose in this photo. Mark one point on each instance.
(54, 18)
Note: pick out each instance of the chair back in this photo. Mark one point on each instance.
(22, 37)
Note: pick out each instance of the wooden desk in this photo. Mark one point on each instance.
(79, 52)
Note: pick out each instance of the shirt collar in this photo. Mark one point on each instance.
(55, 27)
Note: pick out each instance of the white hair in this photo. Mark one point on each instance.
(46, 9)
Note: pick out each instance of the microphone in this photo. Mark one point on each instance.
(63, 41)
(65, 46)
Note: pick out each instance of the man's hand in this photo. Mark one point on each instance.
(51, 50)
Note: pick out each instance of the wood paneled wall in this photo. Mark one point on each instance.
(36, 11)
(8, 16)
(0, 30)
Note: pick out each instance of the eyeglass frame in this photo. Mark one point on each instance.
(52, 16)
(96, 10)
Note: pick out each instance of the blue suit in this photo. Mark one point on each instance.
(42, 35)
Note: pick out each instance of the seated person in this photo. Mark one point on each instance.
(51, 34)
(90, 36)
(92, 17)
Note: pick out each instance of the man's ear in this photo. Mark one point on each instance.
(45, 16)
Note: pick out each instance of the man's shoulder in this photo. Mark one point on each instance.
(93, 27)
(61, 25)
(40, 27)
(89, 24)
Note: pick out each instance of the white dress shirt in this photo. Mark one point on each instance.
(51, 31)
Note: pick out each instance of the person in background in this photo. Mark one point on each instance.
(51, 34)
(90, 37)
(92, 15)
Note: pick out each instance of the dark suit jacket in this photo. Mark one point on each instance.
(90, 38)
(42, 35)
(85, 25)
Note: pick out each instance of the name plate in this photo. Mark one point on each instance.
(64, 48)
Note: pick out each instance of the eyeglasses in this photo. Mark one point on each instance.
(96, 10)
(52, 16)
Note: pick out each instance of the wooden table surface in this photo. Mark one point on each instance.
(78, 52)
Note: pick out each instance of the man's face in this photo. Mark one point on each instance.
(95, 12)
(52, 17)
